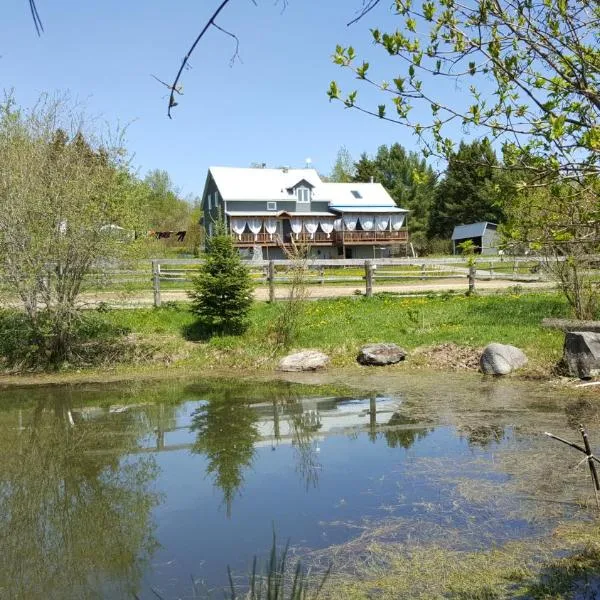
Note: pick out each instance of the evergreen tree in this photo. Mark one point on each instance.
(408, 180)
(222, 294)
(468, 193)
(364, 169)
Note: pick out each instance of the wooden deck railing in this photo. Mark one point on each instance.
(335, 238)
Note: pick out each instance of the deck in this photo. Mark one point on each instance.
(337, 238)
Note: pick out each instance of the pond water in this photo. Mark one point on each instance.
(152, 490)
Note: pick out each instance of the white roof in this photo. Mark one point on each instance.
(273, 184)
(260, 184)
(354, 195)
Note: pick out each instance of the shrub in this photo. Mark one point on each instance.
(222, 294)
(41, 343)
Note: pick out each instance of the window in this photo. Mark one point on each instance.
(356, 194)
(271, 205)
(210, 230)
(303, 194)
(209, 201)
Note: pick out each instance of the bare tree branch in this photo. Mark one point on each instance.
(35, 15)
(174, 86)
(368, 6)
(236, 54)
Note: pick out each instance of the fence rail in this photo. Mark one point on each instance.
(368, 273)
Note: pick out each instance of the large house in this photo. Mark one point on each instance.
(269, 210)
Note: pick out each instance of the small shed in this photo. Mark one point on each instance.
(484, 236)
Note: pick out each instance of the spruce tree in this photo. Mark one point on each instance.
(222, 294)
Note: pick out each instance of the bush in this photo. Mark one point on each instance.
(222, 295)
(41, 343)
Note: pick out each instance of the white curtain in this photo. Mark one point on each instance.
(296, 225)
(397, 221)
(271, 226)
(255, 225)
(326, 226)
(367, 222)
(338, 225)
(311, 224)
(238, 225)
(381, 222)
(350, 222)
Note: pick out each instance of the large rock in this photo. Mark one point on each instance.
(307, 360)
(380, 354)
(581, 354)
(501, 359)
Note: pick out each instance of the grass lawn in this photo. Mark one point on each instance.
(340, 326)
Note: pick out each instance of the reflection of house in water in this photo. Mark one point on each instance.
(318, 417)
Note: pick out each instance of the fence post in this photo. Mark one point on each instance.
(472, 273)
(156, 282)
(369, 278)
(423, 267)
(271, 279)
(321, 275)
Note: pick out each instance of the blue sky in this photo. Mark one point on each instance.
(270, 108)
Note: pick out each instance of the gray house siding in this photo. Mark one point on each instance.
(251, 206)
(489, 241)
(212, 205)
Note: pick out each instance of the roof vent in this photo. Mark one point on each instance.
(285, 169)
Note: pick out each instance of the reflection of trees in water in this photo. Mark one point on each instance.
(75, 519)
(403, 438)
(226, 431)
(304, 424)
(483, 435)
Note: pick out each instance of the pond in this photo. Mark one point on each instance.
(152, 490)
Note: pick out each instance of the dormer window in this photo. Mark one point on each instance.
(303, 194)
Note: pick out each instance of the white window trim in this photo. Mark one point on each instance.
(210, 202)
(271, 205)
(300, 196)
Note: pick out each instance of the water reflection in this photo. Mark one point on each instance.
(80, 514)
(230, 424)
(75, 521)
(226, 431)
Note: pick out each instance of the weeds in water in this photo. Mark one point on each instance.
(277, 582)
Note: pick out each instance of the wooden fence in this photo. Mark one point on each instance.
(365, 273)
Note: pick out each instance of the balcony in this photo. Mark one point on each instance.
(336, 238)
(351, 238)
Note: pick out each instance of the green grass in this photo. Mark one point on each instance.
(340, 326)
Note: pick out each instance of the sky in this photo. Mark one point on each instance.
(270, 108)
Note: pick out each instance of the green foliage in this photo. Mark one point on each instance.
(343, 168)
(67, 202)
(524, 72)
(46, 341)
(222, 294)
(468, 192)
(164, 209)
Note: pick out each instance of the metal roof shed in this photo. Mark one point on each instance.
(484, 235)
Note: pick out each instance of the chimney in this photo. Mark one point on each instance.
(285, 169)
(372, 179)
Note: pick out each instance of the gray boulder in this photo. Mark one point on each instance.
(581, 354)
(307, 360)
(380, 354)
(501, 359)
